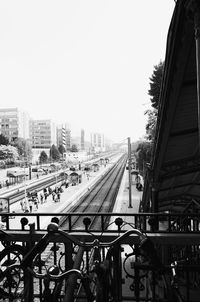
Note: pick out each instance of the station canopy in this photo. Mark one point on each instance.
(15, 174)
(173, 180)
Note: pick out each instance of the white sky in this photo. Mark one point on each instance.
(85, 62)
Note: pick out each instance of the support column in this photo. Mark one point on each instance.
(129, 172)
(153, 221)
(196, 9)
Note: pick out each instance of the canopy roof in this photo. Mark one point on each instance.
(14, 174)
(173, 180)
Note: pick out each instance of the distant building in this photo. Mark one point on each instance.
(76, 140)
(43, 136)
(14, 123)
(82, 139)
(97, 142)
(61, 136)
(68, 136)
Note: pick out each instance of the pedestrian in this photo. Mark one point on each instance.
(22, 204)
(41, 198)
(7, 184)
(50, 190)
(60, 190)
(35, 200)
(30, 203)
(53, 195)
(0, 185)
(26, 207)
(66, 184)
(58, 196)
(45, 196)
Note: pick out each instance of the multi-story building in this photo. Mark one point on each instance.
(68, 136)
(97, 142)
(43, 136)
(82, 139)
(64, 136)
(61, 136)
(14, 123)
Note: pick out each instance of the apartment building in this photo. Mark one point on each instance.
(97, 142)
(43, 136)
(14, 123)
(82, 139)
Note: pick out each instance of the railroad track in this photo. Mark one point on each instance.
(99, 199)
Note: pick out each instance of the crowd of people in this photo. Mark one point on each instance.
(34, 199)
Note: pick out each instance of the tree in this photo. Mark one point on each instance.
(143, 155)
(4, 140)
(74, 148)
(144, 149)
(24, 148)
(43, 157)
(61, 149)
(54, 153)
(155, 84)
(8, 153)
(151, 124)
(154, 92)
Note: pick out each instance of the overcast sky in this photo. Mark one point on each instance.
(84, 62)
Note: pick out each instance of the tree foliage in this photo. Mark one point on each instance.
(4, 140)
(154, 92)
(155, 84)
(54, 153)
(43, 157)
(144, 149)
(23, 147)
(61, 149)
(8, 153)
(143, 155)
(151, 124)
(74, 148)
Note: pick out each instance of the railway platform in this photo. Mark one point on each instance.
(67, 199)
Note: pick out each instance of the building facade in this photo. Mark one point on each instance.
(82, 139)
(61, 136)
(14, 123)
(97, 142)
(43, 134)
(68, 136)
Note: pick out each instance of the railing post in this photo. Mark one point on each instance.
(117, 273)
(28, 278)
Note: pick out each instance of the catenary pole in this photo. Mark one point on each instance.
(129, 172)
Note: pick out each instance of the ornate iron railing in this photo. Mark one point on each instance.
(177, 238)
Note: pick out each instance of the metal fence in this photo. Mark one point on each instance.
(133, 269)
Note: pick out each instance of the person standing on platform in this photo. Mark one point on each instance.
(41, 198)
(45, 196)
(58, 196)
(53, 196)
(30, 202)
(22, 204)
(26, 207)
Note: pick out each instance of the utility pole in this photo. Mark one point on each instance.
(129, 172)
